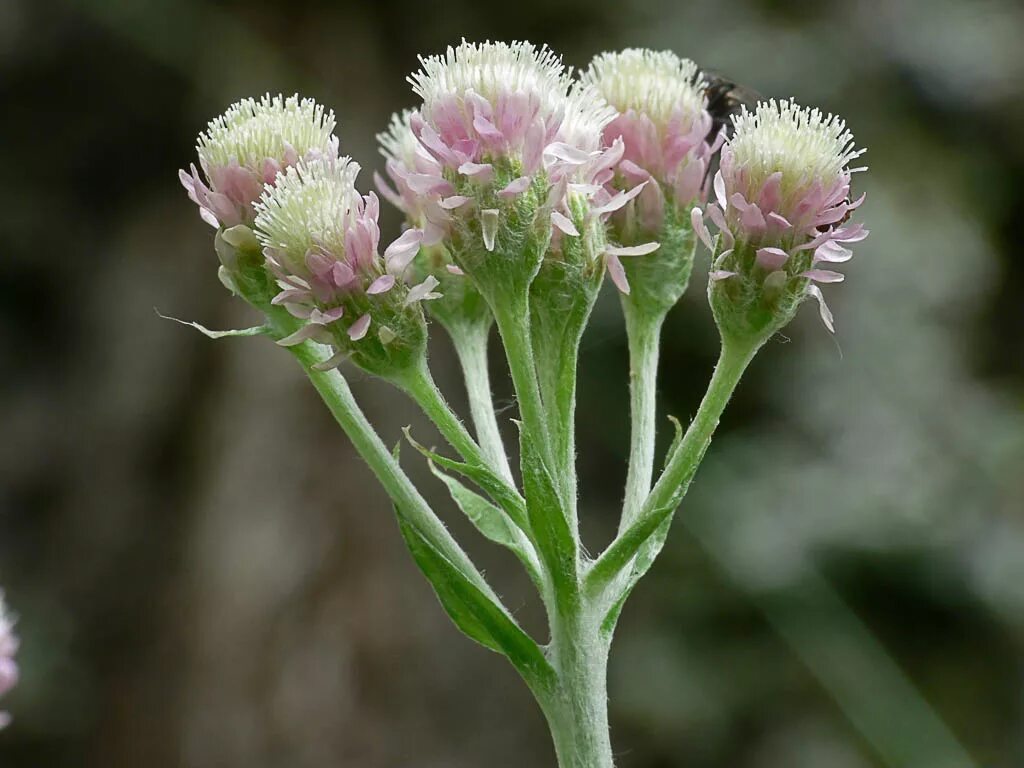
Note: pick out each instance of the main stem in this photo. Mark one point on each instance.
(643, 331)
(470, 343)
(577, 714)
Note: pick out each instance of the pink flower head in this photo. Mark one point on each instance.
(664, 123)
(782, 199)
(407, 164)
(320, 238)
(8, 648)
(589, 199)
(496, 121)
(247, 147)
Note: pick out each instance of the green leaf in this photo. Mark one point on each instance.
(645, 558)
(473, 612)
(258, 330)
(675, 440)
(491, 484)
(544, 509)
(493, 524)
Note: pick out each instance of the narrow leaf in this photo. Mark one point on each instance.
(492, 523)
(677, 439)
(479, 618)
(544, 509)
(504, 496)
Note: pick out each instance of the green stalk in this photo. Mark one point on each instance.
(680, 469)
(335, 392)
(470, 342)
(513, 320)
(420, 386)
(643, 331)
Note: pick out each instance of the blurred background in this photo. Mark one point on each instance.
(207, 576)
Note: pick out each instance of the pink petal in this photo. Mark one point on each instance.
(619, 200)
(402, 251)
(564, 223)
(482, 172)
(565, 153)
(427, 184)
(332, 362)
(389, 193)
(359, 328)
(771, 259)
(423, 291)
(720, 190)
(824, 311)
(823, 276)
(720, 274)
(301, 335)
(632, 250)
(832, 252)
(454, 269)
(455, 201)
(382, 284)
(697, 221)
(616, 272)
(515, 187)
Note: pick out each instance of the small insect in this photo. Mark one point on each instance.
(725, 99)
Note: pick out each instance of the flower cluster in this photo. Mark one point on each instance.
(247, 147)
(782, 204)
(509, 166)
(320, 239)
(8, 647)
(664, 123)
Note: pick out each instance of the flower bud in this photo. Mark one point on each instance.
(782, 208)
(498, 143)
(247, 147)
(8, 648)
(320, 239)
(664, 125)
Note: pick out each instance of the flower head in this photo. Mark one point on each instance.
(320, 238)
(783, 204)
(663, 121)
(499, 140)
(491, 101)
(8, 647)
(248, 146)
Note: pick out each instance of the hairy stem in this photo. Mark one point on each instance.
(336, 394)
(643, 331)
(680, 469)
(577, 712)
(513, 319)
(470, 343)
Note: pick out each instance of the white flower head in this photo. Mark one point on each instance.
(492, 70)
(277, 127)
(311, 204)
(658, 84)
(587, 114)
(805, 145)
